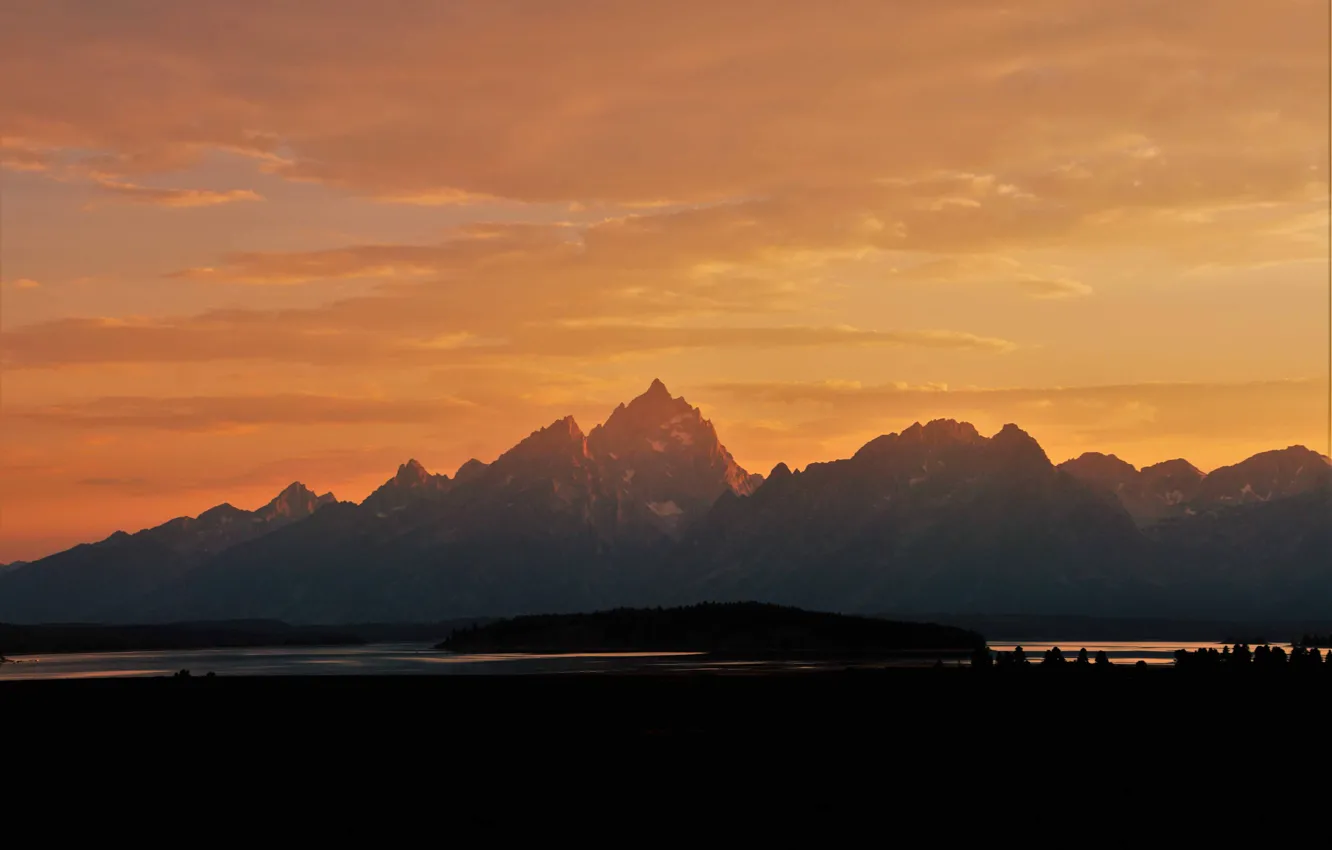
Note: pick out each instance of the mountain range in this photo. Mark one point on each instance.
(649, 508)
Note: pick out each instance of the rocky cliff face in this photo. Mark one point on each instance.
(664, 462)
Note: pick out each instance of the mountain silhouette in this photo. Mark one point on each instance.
(411, 484)
(664, 462)
(1178, 488)
(649, 508)
(93, 580)
(935, 518)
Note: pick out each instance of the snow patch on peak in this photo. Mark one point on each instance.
(683, 437)
(1247, 490)
(657, 445)
(664, 509)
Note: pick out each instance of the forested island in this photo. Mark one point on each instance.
(740, 627)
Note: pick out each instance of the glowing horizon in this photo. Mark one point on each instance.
(340, 238)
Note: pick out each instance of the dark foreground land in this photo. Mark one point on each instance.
(968, 753)
(1161, 704)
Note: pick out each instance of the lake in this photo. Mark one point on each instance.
(423, 659)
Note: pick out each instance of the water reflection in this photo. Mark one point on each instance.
(378, 659)
(422, 659)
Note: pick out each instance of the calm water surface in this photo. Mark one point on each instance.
(422, 659)
(374, 659)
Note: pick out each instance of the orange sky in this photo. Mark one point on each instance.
(250, 242)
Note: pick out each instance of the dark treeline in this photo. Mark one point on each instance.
(709, 627)
(1053, 657)
(1241, 656)
(1261, 657)
(1312, 641)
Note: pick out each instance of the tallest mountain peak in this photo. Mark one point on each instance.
(658, 398)
(649, 411)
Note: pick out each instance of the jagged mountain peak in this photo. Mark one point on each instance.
(1266, 476)
(560, 431)
(936, 434)
(470, 470)
(1012, 436)
(647, 413)
(1171, 468)
(1298, 451)
(561, 437)
(1292, 457)
(952, 431)
(224, 510)
(663, 462)
(411, 483)
(412, 469)
(1100, 467)
(294, 490)
(939, 432)
(1103, 460)
(296, 501)
(413, 474)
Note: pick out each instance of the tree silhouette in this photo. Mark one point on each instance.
(1102, 660)
(1053, 657)
(1083, 660)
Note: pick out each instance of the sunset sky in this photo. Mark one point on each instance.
(251, 242)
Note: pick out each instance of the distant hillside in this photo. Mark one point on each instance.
(731, 627)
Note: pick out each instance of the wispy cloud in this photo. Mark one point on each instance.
(175, 198)
(212, 413)
(1042, 287)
